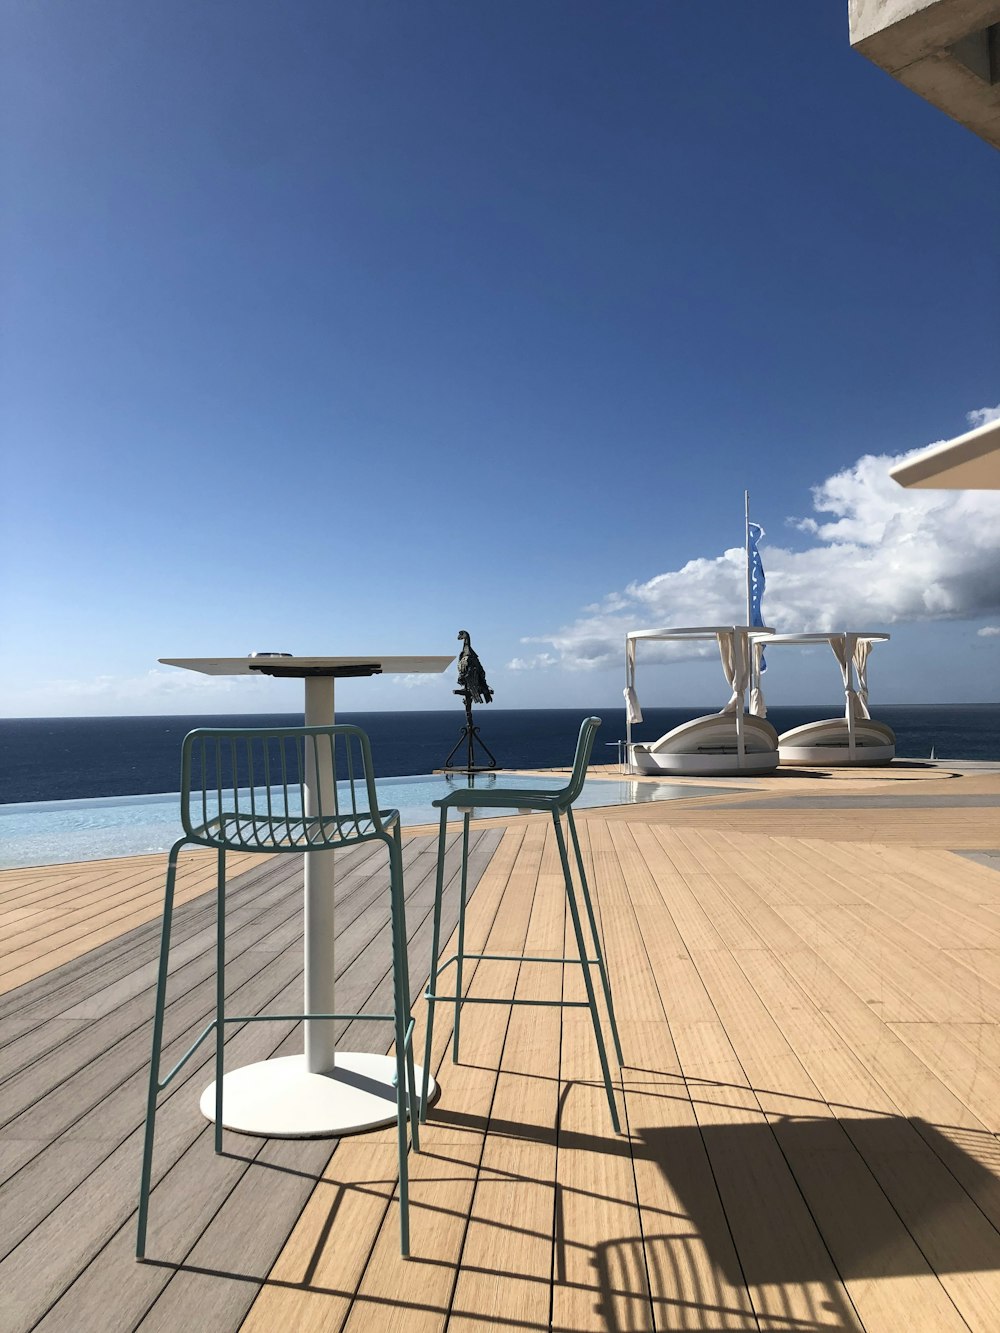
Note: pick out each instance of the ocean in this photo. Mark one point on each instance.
(70, 758)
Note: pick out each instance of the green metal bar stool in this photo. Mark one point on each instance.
(556, 803)
(302, 790)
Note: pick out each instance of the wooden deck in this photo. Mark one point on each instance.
(808, 988)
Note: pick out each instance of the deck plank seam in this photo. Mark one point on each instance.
(178, 994)
(84, 964)
(270, 870)
(201, 1132)
(829, 1020)
(792, 896)
(442, 1039)
(443, 1032)
(246, 915)
(183, 889)
(475, 855)
(590, 864)
(179, 1042)
(896, 918)
(291, 909)
(878, 1184)
(882, 1190)
(844, 1292)
(687, 1088)
(484, 1143)
(891, 945)
(610, 885)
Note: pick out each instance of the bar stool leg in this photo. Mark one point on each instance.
(413, 1101)
(588, 980)
(220, 991)
(598, 951)
(461, 934)
(398, 930)
(435, 947)
(154, 1061)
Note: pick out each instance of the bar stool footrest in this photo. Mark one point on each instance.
(485, 999)
(162, 1084)
(514, 958)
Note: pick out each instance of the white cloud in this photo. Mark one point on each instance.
(989, 631)
(879, 556)
(155, 691)
(415, 680)
(151, 684)
(982, 416)
(538, 661)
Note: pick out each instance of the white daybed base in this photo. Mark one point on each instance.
(826, 745)
(707, 746)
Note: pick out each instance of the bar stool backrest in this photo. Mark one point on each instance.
(584, 747)
(278, 789)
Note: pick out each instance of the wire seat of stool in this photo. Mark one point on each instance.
(282, 790)
(559, 804)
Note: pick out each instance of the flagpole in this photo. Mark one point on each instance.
(746, 507)
(749, 620)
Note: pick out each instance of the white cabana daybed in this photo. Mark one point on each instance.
(855, 739)
(731, 741)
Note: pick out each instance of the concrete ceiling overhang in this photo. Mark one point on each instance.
(931, 46)
(971, 462)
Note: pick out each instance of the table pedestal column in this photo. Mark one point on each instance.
(320, 876)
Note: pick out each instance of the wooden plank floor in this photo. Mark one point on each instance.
(811, 1130)
(50, 914)
(809, 1003)
(75, 1050)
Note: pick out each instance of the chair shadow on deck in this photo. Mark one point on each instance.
(796, 1208)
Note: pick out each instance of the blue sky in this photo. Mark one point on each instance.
(337, 327)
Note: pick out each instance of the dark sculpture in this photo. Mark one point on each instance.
(473, 687)
(471, 676)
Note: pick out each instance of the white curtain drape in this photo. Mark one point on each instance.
(758, 704)
(844, 647)
(736, 665)
(633, 713)
(861, 650)
(632, 710)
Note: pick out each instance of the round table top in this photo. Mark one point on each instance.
(291, 665)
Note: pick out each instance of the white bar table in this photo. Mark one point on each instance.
(323, 1092)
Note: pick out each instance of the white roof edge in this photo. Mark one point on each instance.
(247, 666)
(871, 636)
(693, 631)
(965, 451)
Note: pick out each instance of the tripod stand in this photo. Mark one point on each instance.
(471, 738)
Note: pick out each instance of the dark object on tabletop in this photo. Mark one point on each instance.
(473, 687)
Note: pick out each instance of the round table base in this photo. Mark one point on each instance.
(280, 1099)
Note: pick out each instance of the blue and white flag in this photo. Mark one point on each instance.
(757, 580)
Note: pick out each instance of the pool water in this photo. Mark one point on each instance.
(54, 832)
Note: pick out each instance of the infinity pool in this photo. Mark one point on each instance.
(51, 832)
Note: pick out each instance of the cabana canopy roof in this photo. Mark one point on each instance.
(694, 632)
(867, 636)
